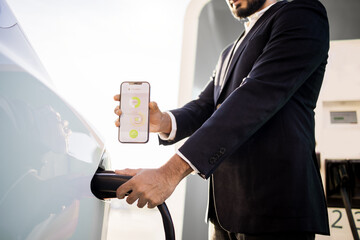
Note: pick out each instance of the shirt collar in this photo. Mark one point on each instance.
(251, 20)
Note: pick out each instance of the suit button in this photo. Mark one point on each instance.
(212, 160)
(222, 150)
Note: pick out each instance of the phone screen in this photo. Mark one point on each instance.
(134, 104)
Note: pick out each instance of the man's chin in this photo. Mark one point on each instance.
(235, 15)
(242, 13)
(239, 15)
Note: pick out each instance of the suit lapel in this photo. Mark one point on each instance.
(224, 76)
(226, 65)
(222, 71)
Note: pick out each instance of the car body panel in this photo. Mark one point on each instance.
(48, 152)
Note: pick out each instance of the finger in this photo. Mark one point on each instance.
(127, 172)
(153, 106)
(117, 111)
(132, 198)
(117, 97)
(123, 190)
(141, 202)
(117, 123)
(152, 204)
(116, 108)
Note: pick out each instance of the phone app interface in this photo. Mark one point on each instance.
(135, 107)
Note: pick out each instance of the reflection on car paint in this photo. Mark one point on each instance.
(49, 153)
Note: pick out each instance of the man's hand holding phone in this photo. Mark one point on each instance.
(152, 187)
(158, 121)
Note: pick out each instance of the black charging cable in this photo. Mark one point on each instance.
(344, 182)
(104, 185)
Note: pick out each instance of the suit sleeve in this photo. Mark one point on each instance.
(192, 115)
(298, 45)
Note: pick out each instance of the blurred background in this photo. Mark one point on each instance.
(88, 48)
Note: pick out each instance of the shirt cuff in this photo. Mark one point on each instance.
(188, 162)
(171, 136)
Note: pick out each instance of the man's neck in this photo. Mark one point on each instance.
(267, 3)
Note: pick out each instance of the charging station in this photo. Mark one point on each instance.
(338, 138)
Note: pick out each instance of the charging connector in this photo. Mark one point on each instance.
(338, 179)
(104, 185)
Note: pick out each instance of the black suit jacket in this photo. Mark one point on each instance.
(258, 146)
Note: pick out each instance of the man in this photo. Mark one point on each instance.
(251, 131)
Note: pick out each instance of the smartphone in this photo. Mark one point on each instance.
(134, 104)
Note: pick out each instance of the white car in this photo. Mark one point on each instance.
(48, 152)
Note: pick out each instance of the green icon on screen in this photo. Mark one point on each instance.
(135, 102)
(133, 134)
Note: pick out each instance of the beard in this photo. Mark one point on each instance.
(252, 7)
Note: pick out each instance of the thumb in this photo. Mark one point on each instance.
(127, 172)
(153, 106)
